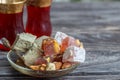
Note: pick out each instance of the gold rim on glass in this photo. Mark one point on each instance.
(39, 3)
(11, 6)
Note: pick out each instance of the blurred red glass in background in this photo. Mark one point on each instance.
(38, 22)
(11, 20)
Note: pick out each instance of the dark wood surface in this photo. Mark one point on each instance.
(97, 25)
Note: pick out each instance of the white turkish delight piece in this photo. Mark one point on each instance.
(23, 42)
(32, 55)
(74, 54)
(60, 36)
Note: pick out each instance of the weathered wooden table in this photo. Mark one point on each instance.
(95, 24)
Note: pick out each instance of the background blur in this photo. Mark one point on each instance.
(82, 0)
(86, 15)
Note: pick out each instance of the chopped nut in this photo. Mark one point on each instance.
(42, 68)
(58, 65)
(48, 59)
(44, 65)
(81, 45)
(78, 42)
(66, 65)
(35, 67)
(50, 66)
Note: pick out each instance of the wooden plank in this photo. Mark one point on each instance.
(85, 14)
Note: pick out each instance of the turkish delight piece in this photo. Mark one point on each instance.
(32, 55)
(23, 42)
(60, 36)
(74, 54)
(50, 47)
(65, 41)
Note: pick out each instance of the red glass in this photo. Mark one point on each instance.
(10, 26)
(38, 22)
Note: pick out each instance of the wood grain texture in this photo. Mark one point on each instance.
(97, 25)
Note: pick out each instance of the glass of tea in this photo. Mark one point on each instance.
(11, 19)
(38, 22)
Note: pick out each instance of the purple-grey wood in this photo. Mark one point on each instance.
(97, 25)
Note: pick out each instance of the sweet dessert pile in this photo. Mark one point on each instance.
(47, 53)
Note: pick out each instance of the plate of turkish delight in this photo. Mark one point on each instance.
(46, 56)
